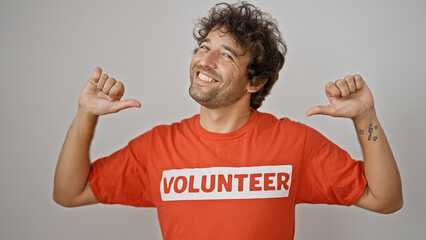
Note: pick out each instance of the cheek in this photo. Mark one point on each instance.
(195, 58)
(228, 70)
(193, 61)
(191, 64)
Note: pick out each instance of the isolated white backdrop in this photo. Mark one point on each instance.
(48, 50)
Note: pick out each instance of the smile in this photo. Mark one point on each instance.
(205, 78)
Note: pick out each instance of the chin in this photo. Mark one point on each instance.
(210, 104)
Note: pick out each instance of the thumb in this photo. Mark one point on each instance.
(321, 110)
(123, 104)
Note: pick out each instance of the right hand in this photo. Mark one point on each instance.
(101, 95)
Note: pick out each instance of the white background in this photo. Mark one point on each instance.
(48, 50)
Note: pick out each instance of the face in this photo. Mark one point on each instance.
(218, 71)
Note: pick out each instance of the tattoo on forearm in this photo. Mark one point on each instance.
(370, 132)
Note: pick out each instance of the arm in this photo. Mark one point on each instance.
(351, 98)
(101, 95)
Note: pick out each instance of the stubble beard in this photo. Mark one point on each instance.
(215, 97)
(205, 99)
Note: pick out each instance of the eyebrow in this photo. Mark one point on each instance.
(207, 40)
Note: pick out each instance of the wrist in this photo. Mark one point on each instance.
(365, 118)
(85, 115)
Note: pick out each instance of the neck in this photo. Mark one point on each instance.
(225, 119)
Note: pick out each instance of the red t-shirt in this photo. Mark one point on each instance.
(238, 185)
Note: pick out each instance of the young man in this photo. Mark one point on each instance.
(230, 172)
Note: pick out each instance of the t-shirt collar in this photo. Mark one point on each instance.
(225, 136)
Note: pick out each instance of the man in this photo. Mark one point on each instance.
(230, 172)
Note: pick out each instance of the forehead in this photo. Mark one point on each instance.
(221, 36)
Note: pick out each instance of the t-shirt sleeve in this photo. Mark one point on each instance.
(122, 177)
(328, 174)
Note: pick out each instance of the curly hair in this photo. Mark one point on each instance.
(256, 32)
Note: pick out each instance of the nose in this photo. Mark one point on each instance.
(208, 60)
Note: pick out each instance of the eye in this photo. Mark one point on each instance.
(204, 47)
(228, 56)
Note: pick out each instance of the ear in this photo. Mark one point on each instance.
(256, 84)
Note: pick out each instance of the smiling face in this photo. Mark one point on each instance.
(218, 71)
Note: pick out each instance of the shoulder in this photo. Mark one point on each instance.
(162, 130)
(289, 129)
(297, 133)
(268, 120)
(176, 130)
(185, 124)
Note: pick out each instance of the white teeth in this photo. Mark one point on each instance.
(205, 78)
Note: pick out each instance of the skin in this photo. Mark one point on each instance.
(225, 103)
(220, 58)
(100, 96)
(351, 98)
(225, 107)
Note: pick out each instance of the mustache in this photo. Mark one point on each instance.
(208, 71)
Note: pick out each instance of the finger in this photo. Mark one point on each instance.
(350, 81)
(117, 91)
(108, 85)
(332, 91)
(343, 87)
(320, 110)
(359, 82)
(104, 77)
(102, 81)
(96, 75)
(123, 104)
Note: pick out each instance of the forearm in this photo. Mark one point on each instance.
(381, 171)
(73, 165)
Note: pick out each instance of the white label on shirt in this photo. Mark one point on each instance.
(226, 183)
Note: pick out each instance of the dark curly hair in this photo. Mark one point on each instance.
(256, 32)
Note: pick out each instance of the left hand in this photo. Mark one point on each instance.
(349, 98)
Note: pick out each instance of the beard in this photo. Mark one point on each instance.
(216, 95)
(204, 97)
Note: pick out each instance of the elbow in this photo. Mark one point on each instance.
(62, 201)
(391, 207)
(395, 208)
